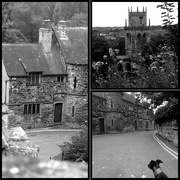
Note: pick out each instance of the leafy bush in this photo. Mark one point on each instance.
(167, 112)
(77, 149)
(161, 73)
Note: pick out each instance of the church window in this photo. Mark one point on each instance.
(60, 79)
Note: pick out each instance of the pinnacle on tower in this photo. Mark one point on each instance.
(143, 8)
(137, 8)
(125, 22)
(149, 22)
(131, 8)
(128, 8)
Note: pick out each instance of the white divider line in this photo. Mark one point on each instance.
(165, 148)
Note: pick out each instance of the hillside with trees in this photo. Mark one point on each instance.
(22, 20)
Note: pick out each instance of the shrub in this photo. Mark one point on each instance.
(77, 149)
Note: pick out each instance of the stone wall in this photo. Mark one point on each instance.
(169, 130)
(81, 74)
(118, 115)
(47, 94)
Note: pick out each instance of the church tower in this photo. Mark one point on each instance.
(136, 33)
(138, 18)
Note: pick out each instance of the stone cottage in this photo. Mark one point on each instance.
(119, 111)
(46, 82)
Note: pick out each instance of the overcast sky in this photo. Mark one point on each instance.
(115, 13)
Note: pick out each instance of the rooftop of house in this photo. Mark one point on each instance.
(19, 59)
(75, 48)
(98, 94)
(130, 98)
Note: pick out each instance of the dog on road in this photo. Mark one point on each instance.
(154, 166)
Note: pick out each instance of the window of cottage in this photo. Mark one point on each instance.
(73, 111)
(112, 122)
(34, 78)
(60, 79)
(31, 108)
(75, 82)
(111, 104)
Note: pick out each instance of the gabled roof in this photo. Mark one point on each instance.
(98, 94)
(130, 98)
(20, 59)
(75, 48)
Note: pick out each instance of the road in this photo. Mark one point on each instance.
(127, 156)
(48, 140)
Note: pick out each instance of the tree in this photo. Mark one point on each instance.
(78, 20)
(9, 32)
(66, 10)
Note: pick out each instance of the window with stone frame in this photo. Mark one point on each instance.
(73, 111)
(34, 78)
(60, 79)
(31, 108)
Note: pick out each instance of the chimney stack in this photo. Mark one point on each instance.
(45, 35)
(62, 29)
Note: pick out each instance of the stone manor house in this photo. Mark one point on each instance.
(46, 82)
(119, 111)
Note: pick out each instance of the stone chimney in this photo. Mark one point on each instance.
(45, 35)
(62, 30)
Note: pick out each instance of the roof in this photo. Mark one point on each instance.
(130, 98)
(98, 94)
(21, 58)
(75, 48)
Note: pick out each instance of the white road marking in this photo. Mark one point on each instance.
(132, 175)
(165, 148)
(102, 167)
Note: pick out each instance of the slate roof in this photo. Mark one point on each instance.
(130, 98)
(21, 58)
(75, 49)
(98, 94)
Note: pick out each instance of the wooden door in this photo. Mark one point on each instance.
(101, 124)
(58, 113)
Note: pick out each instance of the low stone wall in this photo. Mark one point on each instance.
(24, 167)
(169, 130)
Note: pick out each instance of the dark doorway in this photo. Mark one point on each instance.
(146, 125)
(135, 126)
(101, 124)
(58, 113)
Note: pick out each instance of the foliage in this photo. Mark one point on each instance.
(78, 20)
(66, 10)
(28, 19)
(77, 150)
(168, 7)
(9, 33)
(160, 74)
(167, 112)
